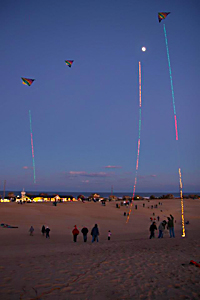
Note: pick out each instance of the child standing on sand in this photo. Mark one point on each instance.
(109, 235)
(31, 230)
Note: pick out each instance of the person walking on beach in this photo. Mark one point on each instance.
(75, 233)
(31, 230)
(95, 233)
(43, 230)
(152, 228)
(161, 229)
(84, 231)
(170, 226)
(109, 235)
(47, 230)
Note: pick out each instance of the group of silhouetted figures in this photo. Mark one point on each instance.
(45, 231)
(84, 231)
(75, 233)
(161, 228)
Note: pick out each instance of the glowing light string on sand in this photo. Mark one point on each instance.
(33, 157)
(176, 131)
(182, 206)
(138, 148)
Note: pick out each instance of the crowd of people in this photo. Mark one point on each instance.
(161, 228)
(45, 231)
(169, 224)
(75, 233)
(84, 231)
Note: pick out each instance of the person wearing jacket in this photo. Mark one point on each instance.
(161, 229)
(95, 233)
(75, 233)
(43, 230)
(152, 228)
(84, 231)
(170, 226)
(47, 230)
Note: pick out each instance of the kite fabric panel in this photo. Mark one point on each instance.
(27, 81)
(162, 16)
(69, 63)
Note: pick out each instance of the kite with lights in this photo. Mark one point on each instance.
(162, 16)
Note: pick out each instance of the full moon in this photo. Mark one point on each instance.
(144, 49)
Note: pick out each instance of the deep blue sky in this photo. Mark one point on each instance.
(86, 118)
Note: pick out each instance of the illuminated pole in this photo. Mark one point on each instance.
(4, 189)
(33, 157)
(138, 148)
(176, 132)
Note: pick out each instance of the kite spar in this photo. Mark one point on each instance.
(138, 148)
(28, 82)
(162, 16)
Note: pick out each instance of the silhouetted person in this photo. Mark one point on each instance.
(158, 218)
(31, 230)
(95, 233)
(170, 226)
(43, 230)
(109, 235)
(152, 228)
(164, 223)
(84, 232)
(161, 229)
(75, 233)
(47, 230)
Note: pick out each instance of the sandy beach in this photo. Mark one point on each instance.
(129, 266)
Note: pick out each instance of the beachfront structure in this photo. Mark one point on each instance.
(5, 200)
(44, 198)
(113, 198)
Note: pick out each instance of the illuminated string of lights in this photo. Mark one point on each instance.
(138, 148)
(176, 131)
(33, 157)
(182, 205)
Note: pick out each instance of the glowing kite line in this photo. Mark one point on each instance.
(138, 149)
(33, 157)
(176, 131)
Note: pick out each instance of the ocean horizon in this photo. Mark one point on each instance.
(102, 194)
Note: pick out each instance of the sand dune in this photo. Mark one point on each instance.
(129, 266)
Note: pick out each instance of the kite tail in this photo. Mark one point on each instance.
(33, 157)
(176, 133)
(138, 148)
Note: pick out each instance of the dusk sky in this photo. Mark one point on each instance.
(85, 118)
